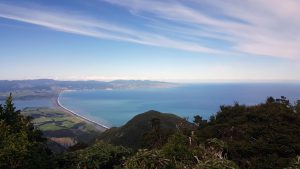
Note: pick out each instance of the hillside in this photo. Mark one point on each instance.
(132, 134)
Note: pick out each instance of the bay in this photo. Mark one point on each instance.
(116, 107)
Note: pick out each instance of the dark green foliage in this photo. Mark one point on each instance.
(178, 153)
(270, 100)
(154, 138)
(261, 136)
(141, 132)
(216, 164)
(178, 149)
(297, 106)
(199, 122)
(9, 115)
(294, 164)
(98, 156)
(77, 146)
(148, 159)
(21, 146)
(182, 150)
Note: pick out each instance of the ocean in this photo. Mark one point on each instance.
(116, 107)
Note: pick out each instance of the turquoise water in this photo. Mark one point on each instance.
(116, 107)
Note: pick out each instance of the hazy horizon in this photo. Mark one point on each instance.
(170, 81)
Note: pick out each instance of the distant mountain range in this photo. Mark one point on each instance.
(40, 88)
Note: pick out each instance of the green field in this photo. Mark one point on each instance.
(56, 123)
(54, 119)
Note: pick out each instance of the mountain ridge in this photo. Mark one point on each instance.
(49, 88)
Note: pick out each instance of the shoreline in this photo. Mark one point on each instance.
(59, 105)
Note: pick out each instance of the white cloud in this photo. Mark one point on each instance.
(84, 25)
(269, 27)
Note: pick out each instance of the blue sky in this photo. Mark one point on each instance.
(170, 40)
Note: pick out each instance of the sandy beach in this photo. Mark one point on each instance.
(58, 105)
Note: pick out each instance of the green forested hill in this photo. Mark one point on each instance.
(261, 136)
(135, 132)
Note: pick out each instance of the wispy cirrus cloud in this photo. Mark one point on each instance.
(93, 27)
(269, 27)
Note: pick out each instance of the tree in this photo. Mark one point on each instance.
(148, 159)
(199, 122)
(9, 113)
(177, 149)
(154, 138)
(270, 100)
(294, 164)
(21, 145)
(216, 164)
(97, 156)
(297, 106)
(260, 136)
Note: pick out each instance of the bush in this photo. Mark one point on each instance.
(261, 136)
(216, 164)
(295, 164)
(148, 159)
(99, 155)
(177, 149)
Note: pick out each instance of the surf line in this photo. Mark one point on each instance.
(80, 116)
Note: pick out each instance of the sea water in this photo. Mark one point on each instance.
(116, 107)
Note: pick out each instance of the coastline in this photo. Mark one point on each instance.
(96, 124)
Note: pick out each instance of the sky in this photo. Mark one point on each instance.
(169, 40)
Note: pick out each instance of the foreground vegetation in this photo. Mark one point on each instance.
(261, 136)
(238, 136)
(21, 145)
